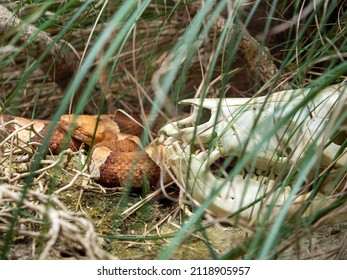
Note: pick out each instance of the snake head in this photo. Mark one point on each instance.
(87, 129)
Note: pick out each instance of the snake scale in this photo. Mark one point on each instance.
(117, 157)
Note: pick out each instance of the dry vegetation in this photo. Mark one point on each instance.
(71, 56)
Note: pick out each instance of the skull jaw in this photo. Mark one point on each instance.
(250, 198)
(232, 123)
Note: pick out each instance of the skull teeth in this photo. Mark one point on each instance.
(248, 171)
(254, 177)
(259, 175)
(258, 172)
(248, 168)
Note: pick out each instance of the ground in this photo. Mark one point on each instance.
(143, 233)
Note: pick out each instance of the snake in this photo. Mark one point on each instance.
(117, 157)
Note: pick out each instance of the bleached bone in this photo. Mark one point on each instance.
(276, 132)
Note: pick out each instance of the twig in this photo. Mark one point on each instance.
(44, 169)
(60, 63)
(257, 56)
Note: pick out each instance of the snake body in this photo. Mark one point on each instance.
(117, 157)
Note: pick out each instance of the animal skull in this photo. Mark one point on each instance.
(272, 134)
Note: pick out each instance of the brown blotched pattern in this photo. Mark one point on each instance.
(122, 163)
(128, 169)
(116, 160)
(58, 141)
